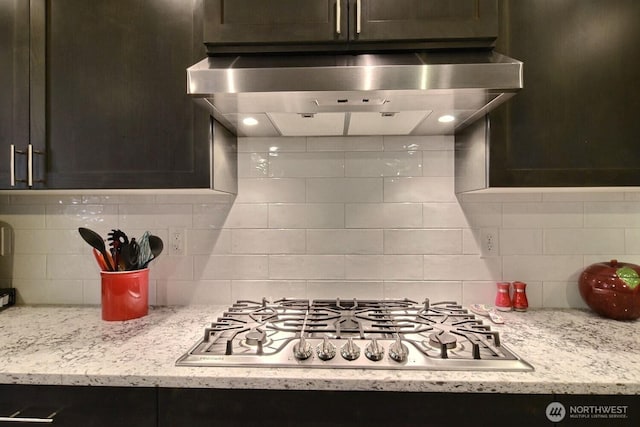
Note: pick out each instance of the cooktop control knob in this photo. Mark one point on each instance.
(302, 349)
(374, 351)
(350, 351)
(326, 350)
(398, 351)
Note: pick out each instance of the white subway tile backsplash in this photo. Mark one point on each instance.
(612, 215)
(542, 267)
(583, 196)
(271, 190)
(268, 241)
(383, 163)
(306, 215)
(253, 165)
(320, 217)
(483, 214)
(339, 143)
(344, 190)
(413, 143)
(271, 144)
(209, 292)
(444, 215)
(543, 215)
(74, 216)
(470, 245)
(213, 267)
(344, 289)
(28, 266)
(419, 290)
(561, 294)
(172, 267)
(383, 215)
(306, 267)
(583, 241)
(145, 217)
(478, 292)
(255, 290)
(422, 241)
(437, 163)
(23, 216)
(517, 241)
(403, 267)
(213, 215)
(364, 267)
(462, 267)
(204, 242)
(248, 215)
(419, 189)
(320, 164)
(344, 241)
(632, 241)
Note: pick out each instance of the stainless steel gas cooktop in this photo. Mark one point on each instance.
(369, 334)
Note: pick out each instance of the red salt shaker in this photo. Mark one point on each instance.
(520, 302)
(503, 301)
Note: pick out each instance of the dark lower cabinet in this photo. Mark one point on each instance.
(281, 408)
(574, 123)
(79, 406)
(179, 407)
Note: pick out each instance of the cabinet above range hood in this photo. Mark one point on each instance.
(425, 93)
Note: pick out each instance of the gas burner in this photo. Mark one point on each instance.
(442, 338)
(335, 333)
(255, 337)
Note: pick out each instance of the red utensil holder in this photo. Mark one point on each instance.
(125, 294)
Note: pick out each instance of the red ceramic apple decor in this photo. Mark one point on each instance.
(612, 289)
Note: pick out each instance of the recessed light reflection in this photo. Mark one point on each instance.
(250, 121)
(447, 118)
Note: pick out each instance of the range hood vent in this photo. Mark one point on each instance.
(367, 94)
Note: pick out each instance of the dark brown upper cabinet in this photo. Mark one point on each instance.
(237, 26)
(574, 123)
(99, 97)
(15, 142)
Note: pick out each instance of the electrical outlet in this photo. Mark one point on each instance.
(177, 241)
(489, 242)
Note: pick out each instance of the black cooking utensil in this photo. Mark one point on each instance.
(117, 239)
(156, 246)
(95, 241)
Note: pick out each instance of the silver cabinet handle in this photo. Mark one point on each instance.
(12, 166)
(14, 418)
(358, 16)
(29, 152)
(338, 10)
(25, 420)
(30, 165)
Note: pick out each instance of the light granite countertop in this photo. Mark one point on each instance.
(572, 351)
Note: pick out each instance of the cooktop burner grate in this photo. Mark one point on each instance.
(335, 333)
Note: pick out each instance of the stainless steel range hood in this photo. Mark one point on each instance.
(366, 94)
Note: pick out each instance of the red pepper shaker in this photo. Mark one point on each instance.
(503, 301)
(520, 302)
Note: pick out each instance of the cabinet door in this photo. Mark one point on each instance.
(263, 22)
(575, 122)
(14, 84)
(73, 406)
(425, 20)
(118, 115)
